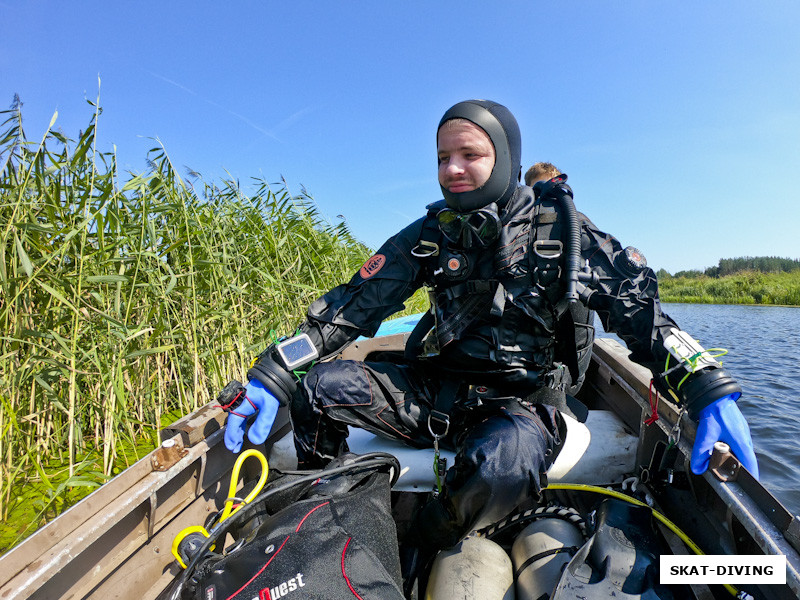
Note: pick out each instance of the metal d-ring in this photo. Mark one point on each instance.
(446, 422)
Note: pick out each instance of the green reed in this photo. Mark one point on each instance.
(127, 300)
(746, 287)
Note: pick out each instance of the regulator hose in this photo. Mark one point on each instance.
(573, 243)
(556, 189)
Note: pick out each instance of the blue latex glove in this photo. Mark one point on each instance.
(257, 399)
(722, 421)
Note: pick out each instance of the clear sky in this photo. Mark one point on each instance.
(678, 122)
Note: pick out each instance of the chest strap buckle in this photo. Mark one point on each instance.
(548, 249)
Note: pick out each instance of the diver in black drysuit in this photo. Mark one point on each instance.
(487, 379)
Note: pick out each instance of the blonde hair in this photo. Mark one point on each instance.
(541, 171)
(451, 124)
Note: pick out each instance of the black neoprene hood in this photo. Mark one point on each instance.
(502, 128)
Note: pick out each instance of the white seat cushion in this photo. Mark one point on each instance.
(599, 451)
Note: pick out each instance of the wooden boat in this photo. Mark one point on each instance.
(116, 543)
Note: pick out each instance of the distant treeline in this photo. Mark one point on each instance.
(732, 266)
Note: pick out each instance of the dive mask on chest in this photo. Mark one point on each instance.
(477, 228)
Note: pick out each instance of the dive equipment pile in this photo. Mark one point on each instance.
(325, 532)
(331, 534)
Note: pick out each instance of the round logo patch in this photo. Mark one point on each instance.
(372, 266)
(454, 264)
(635, 258)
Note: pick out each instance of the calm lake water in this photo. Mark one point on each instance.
(763, 344)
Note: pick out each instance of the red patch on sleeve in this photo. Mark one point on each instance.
(372, 266)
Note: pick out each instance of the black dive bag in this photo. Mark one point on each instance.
(337, 541)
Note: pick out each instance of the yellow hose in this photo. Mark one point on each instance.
(228, 510)
(579, 487)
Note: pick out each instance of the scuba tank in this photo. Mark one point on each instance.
(540, 553)
(474, 569)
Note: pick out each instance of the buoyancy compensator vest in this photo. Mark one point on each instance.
(514, 292)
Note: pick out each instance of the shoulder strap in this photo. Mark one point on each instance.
(430, 236)
(547, 250)
(421, 329)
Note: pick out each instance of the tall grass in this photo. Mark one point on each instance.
(125, 299)
(747, 287)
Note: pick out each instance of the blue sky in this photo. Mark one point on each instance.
(677, 122)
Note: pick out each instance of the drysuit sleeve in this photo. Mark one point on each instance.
(627, 303)
(377, 290)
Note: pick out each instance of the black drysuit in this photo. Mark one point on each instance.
(497, 326)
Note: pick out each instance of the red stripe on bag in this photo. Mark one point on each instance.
(261, 570)
(344, 572)
(309, 514)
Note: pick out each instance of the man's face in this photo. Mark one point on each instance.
(466, 156)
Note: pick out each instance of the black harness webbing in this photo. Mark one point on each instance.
(442, 407)
(472, 307)
(421, 329)
(566, 347)
(561, 401)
